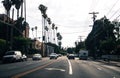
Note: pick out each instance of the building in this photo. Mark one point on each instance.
(9, 28)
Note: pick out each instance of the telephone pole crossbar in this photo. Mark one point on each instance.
(94, 15)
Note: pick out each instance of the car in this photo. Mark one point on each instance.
(71, 56)
(24, 57)
(53, 56)
(59, 55)
(37, 57)
(12, 56)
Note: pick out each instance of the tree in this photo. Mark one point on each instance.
(80, 45)
(7, 4)
(107, 46)
(43, 9)
(102, 31)
(2, 47)
(49, 21)
(70, 50)
(22, 44)
(18, 3)
(36, 30)
(32, 31)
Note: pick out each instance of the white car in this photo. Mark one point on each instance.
(53, 56)
(12, 56)
(37, 57)
(24, 57)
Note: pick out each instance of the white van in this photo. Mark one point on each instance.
(83, 55)
(12, 56)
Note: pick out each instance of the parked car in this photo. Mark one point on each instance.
(37, 57)
(12, 56)
(53, 56)
(24, 57)
(71, 56)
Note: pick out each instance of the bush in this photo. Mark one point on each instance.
(2, 47)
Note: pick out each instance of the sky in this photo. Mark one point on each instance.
(70, 16)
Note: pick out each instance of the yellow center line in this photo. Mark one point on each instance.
(30, 71)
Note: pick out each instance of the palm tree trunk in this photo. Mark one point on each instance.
(22, 9)
(25, 9)
(17, 13)
(32, 34)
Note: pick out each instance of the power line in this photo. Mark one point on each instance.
(92, 7)
(112, 7)
(75, 32)
(117, 17)
(33, 17)
(114, 13)
(80, 37)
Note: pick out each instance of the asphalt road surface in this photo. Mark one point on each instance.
(60, 68)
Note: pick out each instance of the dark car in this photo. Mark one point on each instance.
(71, 56)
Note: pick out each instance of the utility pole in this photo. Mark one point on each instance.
(80, 37)
(94, 15)
(94, 19)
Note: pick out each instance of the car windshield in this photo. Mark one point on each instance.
(10, 53)
(53, 54)
(36, 55)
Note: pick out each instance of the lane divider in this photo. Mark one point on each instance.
(33, 70)
(70, 67)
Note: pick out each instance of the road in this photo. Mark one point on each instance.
(60, 68)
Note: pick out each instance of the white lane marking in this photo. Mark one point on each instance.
(70, 68)
(114, 77)
(112, 67)
(99, 68)
(55, 69)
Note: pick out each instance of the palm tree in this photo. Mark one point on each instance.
(49, 32)
(53, 27)
(43, 9)
(7, 5)
(56, 28)
(49, 21)
(36, 30)
(18, 3)
(32, 31)
(59, 37)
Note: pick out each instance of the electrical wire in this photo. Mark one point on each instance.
(115, 13)
(76, 32)
(112, 7)
(117, 17)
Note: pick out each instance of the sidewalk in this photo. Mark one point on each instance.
(112, 63)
